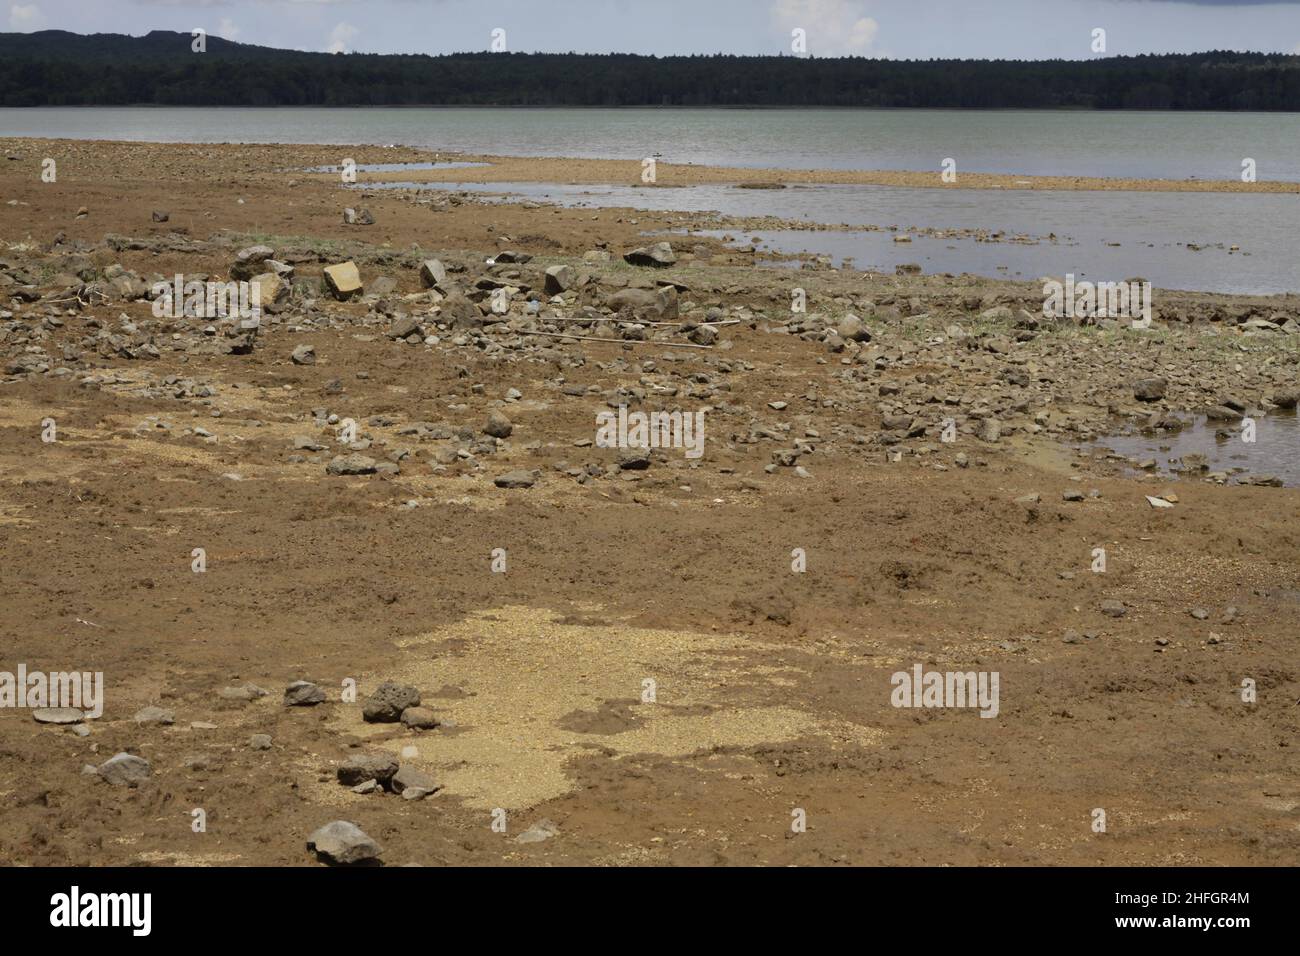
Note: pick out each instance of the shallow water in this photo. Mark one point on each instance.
(1098, 236)
(1275, 451)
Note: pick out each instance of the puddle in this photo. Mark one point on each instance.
(1275, 451)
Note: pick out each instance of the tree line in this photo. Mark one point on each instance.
(57, 68)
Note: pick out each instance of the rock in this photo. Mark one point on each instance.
(852, 328)
(304, 355)
(433, 273)
(272, 291)
(1073, 495)
(1030, 499)
(358, 217)
(408, 776)
(644, 304)
(498, 426)
(403, 327)
(658, 255)
(159, 215)
(1287, 399)
(460, 313)
(1158, 502)
(259, 742)
(343, 843)
(634, 459)
(343, 280)
(1199, 613)
(510, 256)
(515, 479)
(369, 766)
(125, 770)
(703, 335)
(542, 830)
(246, 692)
(155, 715)
(57, 715)
(559, 279)
(990, 430)
(248, 262)
(386, 704)
(419, 718)
(1113, 608)
(303, 693)
(351, 465)
(1150, 389)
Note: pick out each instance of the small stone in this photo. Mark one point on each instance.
(419, 718)
(125, 770)
(1199, 613)
(351, 465)
(343, 843)
(155, 715)
(260, 742)
(515, 479)
(369, 766)
(542, 830)
(409, 776)
(498, 426)
(57, 715)
(343, 280)
(246, 692)
(304, 355)
(1113, 608)
(386, 704)
(303, 693)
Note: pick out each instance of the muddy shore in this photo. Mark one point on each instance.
(468, 538)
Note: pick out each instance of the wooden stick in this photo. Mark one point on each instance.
(601, 338)
(614, 318)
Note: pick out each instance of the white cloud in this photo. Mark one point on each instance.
(834, 27)
(25, 18)
(227, 29)
(340, 37)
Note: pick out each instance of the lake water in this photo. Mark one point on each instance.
(1102, 236)
(1153, 145)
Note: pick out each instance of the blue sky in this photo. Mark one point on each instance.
(1019, 29)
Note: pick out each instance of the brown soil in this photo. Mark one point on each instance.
(772, 689)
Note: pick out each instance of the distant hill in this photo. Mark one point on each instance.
(57, 68)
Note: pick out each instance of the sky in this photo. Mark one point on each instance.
(908, 29)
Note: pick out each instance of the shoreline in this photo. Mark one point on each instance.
(589, 171)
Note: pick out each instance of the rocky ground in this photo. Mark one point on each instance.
(565, 653)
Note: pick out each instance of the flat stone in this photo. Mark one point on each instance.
(125, 770)
(303, 693)
(58, 715)
(343, 843)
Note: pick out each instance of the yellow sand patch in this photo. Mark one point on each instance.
(526, 671)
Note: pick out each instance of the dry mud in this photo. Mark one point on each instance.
(772, 689)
